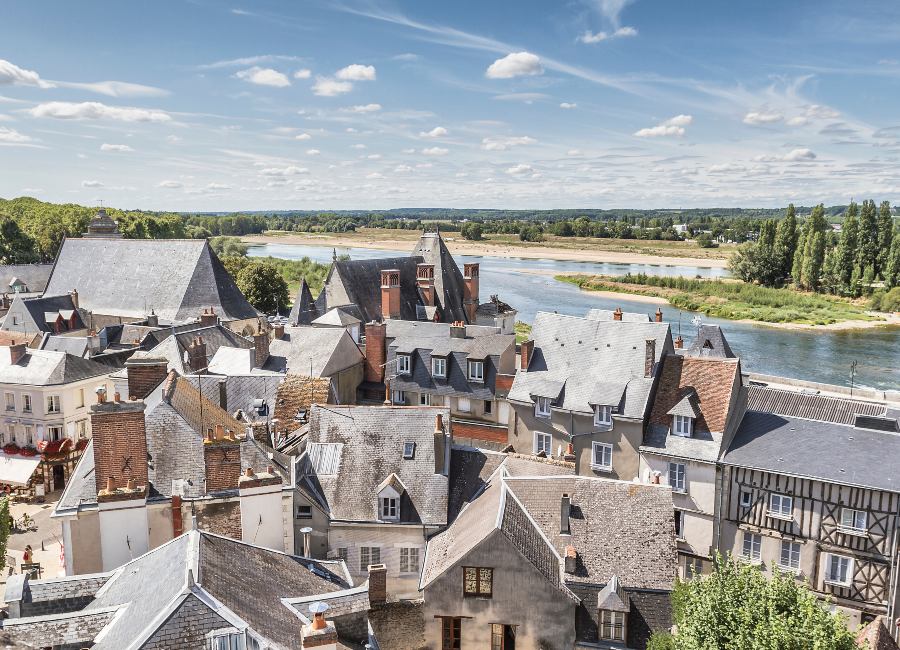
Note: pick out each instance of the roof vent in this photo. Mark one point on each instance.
(875, 423)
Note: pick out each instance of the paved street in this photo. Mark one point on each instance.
(45, 541)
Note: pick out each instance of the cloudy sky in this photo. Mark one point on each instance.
(209, 105)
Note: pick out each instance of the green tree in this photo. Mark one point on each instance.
(15, 246)
(810, 267)
(867, 248)
(228, 246)
(737, 606)
(786, 242)
(797, 262)
(473, 231)
(892, 272)
(4, 530)
(885, 237)
(846, 250)
(263, 286)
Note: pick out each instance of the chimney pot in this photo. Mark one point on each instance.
(659, 315)
(248, 472)
(679, 342)
(116, 397)
(571, 559)
(220, 432)
(110, 484)
(270, 469)
(617, 314)
(129, 484)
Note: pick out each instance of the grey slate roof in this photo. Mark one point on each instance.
(49, 368)
(710, 342)
(581, 352)
(368, 442)
(240, 391)
(810, 406)
(313, 351)
(177, 278)
(34, 276)
(337, 317)
(448, 281)
(627, 316)
(174, 345)
(75, 345)
(360, 283)
(31, 314)
(304, 310)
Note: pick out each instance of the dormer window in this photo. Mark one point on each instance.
(476, 371)
(602, 415)
(439, 367)
(389, 493)
(612, 625)
(683, 426)
(404, 363)
(542, 407)
(390, 508)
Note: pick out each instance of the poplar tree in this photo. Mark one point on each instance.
(846, 251)
(786, 242)
(867, 248)
(813, 248)
(892, 272)
(885, 236)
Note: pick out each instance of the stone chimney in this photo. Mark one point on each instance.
(458, 330)
(209, 317)
(571, 559)
(659, 315)
(261, 510)
(260, 348)
(390, 293)
(425, 283)
(222, 459)
(440, 444)
(526, 351)
(319, 633)
(617, 314)
(74, 295)
(17, 352)
(144, 375)
(278, 331)
(470, 289)
(152, 319)
(120, 445)
(679, 342)
(377, 584)
(376, 352)
(649, 357)
(196, 355)
(565, 509)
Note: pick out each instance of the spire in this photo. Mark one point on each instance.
(334, 255)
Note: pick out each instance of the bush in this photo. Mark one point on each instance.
(531, 233)
(661, 641)
(472, 231)
(886, 301)
(705, 240)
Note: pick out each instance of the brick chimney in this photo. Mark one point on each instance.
(17, 352)
(120, 444)
(571, 559)
(425, 283)
(376, 352)
(144, 375)
(649, 357)
(526, 351)
(209, 317)
(377, 584)
(470, 289)
(617, 314)
(390, 293)
(74, 295)
(196, 355)
(260, 348)
(659, 315)
(679, 342)
(222, 459)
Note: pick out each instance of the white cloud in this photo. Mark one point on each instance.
(374, 175)
(170, 185)
(517, 64)
(264, 77)
(407, 56)
(590, 37)
(303, 73)
(723, 168)
(98, 111)
(568, 105)
(10, 73)
(794, 155)
(424, 166)
(12, 136)
(574, 152)
(118, 148)
(821, 112)
(358, 146)
(400, 169)
(173, 139)
(302, 136)
(435, 151)
(115, 88)
(519, 170)
(290, 170)
(672, 126)
(374, 156)
(356, 72)
(799, 120)
(312, 152)
(327, 87)
(218, 186)
(250, 60)
(502, 144)
(91, 184)
(755, 118)
(436, 132)
(364, 108)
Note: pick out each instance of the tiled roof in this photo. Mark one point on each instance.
(627, 317)
(337, 317)
(810, 406)
(448, 281)
(877, 635)
(38, 313)
(711, 381)
(240, 392)
(34, 276)
(174, 345)
(361, 284)
(298, 393)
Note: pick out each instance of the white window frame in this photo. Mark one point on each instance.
(792, 550)
(476, 371)
(398, 397)
(746, 503)
(830, 578)
(852, 516)
(368, 555)
(389, 508)
(305, 515)
(683, 426)
(404, 364)
(439, 367)
(543, 441)
(26, 403)
(604, 448)
(10, 401)
(542, 407)
(231, 639)
(424, 399)
(612, 625)
(410, 559)
(680, 480)
(602, 415)
(60, 433)
(751, 547)
(781, 506)
(463, 405)
(54, 404)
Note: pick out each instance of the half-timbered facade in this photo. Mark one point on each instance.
(811, 488)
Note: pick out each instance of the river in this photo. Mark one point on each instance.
(823, 356)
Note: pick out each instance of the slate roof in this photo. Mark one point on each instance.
(810, 406)
(177, 278)
(303, 311)
(710, 342)
(577, 353)
(337, 317)
(618, 528)
(315, 351)
(34, 276)
(240, 391)
(627, 316)
(448, 280)
(173, 346)
(49, 368)
(368, 442)
(31, 314)
(360, 282)
(74, 345)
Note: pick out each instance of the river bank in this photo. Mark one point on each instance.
(562, 249)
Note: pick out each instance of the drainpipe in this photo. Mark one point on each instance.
(717, 519)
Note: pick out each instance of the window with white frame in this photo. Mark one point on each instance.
(409, 560)
(390, 508)
(229, 640)
(398, 397)
(752, 547)
(746, 499)
(26, 403)
(601, 457)
(476, 370)
(29, 435)
(602, 415)
(342, 553)
(838, 569)
(781, 506)
(55, 432)
(404, 363)
(81, 428)
(542, 442)
(10, 402)
(424, 399)
(53, 404)
(677, 477)
(439, 366)
(612, 625)
(683, 426)
(679, 524)
(790, 555)
(368, 555)
(854, 521)
(542, 407)
(463, 405)
(693, 567)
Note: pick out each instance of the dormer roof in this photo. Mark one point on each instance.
(688, 406)
(392, 481)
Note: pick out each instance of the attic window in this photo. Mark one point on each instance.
(409, 450)
(708, 344)
(403, 364)
(683, 426)
(612, 625)
(389, 508)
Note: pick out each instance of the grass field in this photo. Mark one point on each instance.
(732, 300)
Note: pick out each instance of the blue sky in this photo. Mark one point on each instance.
(206, 105)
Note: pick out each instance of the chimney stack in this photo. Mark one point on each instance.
(222, 460)
(120, 444)
(196, 353)
(617, 314)
(74, 295)
(390, 293)
(17, 352)
(649, 357)
(565, 507)
(659, 315)
(377, 584)
(425, 283)
(470, 289)
(376, 352)
(526, 350)
(439, 424)
(152, 319)
(458, 330)
(278, 331)
(319, 633)
(571, 559)
(679, 342)
(208, 317)
(260, 348)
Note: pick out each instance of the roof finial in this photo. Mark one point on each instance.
(334, 254)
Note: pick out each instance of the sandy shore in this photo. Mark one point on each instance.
(464, 247)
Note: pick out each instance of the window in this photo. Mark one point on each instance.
(26, 403)
(403, 364)
(677, 477)
(451, 636)
(542, 442)
(80, 398)
(409, 450)
(226, 641)
(602, 416)
(683, 426)
(503, 637)
(304, 512)
(55, 432)
(476, 370)
(53, 404)
(790, 555)
(602, 456)
(488, 407)
(752, 549)
(693, 567)
(81, 427)
(679, 524)
(478, 581)
(463, 405)
(29, 435)
(853, 521)
(746, 499)
(368, 555)
(542, 407)
(409, 560)
(612, 625)
(781, 506)
(438, 366)
(424, 399)
(398, 397)
(838, 569)
(389, 508)
(10, 402)
(342, 553)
